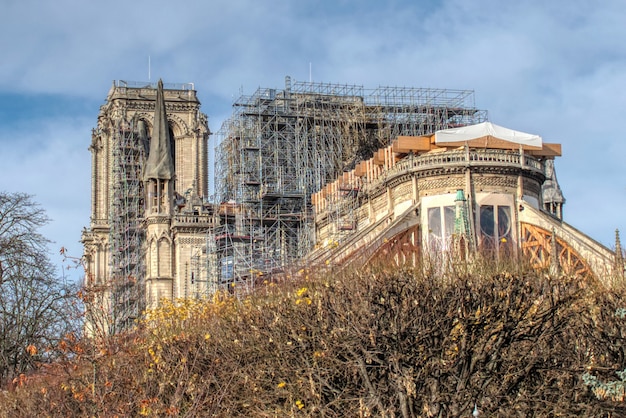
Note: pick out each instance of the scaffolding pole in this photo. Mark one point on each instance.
(281, 146)
(126, 265)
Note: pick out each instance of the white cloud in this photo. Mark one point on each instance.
(49, 160)
(554, 68)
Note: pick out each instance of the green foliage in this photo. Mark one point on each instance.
(614, 390)
(380, 342)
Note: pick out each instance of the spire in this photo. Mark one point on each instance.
(463, 237)
(461, 220)
(554, 255)
(160, 164)
(551, 193)
(619, 256)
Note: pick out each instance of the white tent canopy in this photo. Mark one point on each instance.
(486, 130)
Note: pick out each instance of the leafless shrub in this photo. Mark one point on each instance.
(377, 342)
(36, 306)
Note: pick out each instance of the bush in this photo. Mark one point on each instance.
(384, 342)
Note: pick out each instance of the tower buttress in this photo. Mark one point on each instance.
(158, 180)
(551, 193)
(143, 149)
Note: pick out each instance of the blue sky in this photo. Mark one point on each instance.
(554, 68)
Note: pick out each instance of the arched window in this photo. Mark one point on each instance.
(438, 219)
(143, 137)
(495, 227)
(172, 144)
(440, 228)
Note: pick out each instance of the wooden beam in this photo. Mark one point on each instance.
(360, 168)
(548, 150)
(405, 144)
(379, 157)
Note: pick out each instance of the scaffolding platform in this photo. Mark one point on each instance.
(282, 145)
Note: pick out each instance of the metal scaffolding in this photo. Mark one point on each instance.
(203, 266)
(280, 146)
(127, 265)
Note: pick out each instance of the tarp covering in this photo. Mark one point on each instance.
(486, 130)
(159, 164)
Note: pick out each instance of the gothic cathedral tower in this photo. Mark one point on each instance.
(149, 182)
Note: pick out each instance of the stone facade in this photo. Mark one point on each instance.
(418, 196)
(142, 232)
(415, 179)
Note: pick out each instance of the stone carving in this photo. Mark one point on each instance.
(551, 193)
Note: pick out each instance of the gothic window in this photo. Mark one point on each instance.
(144, 139)
(172, 145)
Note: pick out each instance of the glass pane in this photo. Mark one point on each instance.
(487, 224)
(434, 222)
(449, 213)
(504, 222)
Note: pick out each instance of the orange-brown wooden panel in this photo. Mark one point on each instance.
(379, 157)
(404, 144)
(548, 150)
(359, 170)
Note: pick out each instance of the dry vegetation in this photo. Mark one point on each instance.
(382, 342)
(36, 306)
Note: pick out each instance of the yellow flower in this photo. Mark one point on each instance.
(299, 404)
(281, 385)
(301, 291)
(306, 300)
(207, 336)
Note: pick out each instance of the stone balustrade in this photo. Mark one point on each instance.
(467, 158)
(378, 176)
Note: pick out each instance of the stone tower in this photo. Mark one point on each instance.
(148, 213)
